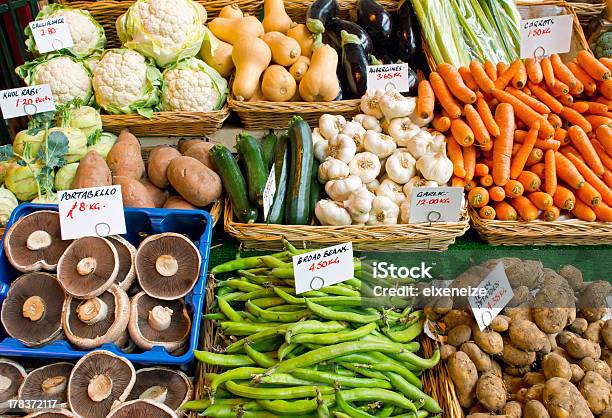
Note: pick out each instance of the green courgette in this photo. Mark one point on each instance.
(315, 188)
(297, 208)
(268, 147)
(281, 173)
(255, 167)
(234, 183)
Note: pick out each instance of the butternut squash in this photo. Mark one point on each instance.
(276, 18)
(251, 56)
(217, 54)
(304, 37)
(258, 96)
(231, 11)
(277, 85)
(320, 83)
(230, 30)
(299, 68)
(285, 50)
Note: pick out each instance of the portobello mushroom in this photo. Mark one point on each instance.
(142, 408)
(170, 387)
(47, 383)
(126, 253)
(11, 377)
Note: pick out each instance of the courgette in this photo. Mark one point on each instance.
(234, 183)
(268, 147)
(315, 188)
(255, 167)
(297, 208)
(281, 173)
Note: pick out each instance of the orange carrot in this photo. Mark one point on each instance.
(487, 212)
(565, 150)
(486, 181)
(598, 120)
(470, 185)
(457, 182)
(481, 78)
(519, 160)
(541, 200)
(484, 111)
(589, 195)
(469, 162)
(583, 211)
(564, 198)
(535, 156)
(592, 66)
(539, 170)
(501, 68)
(568, 172)
(526, 210)
(446, 100)
(561, 71)
(584, 78)
(580, 107)
(578, 88)
(592, 179)
(596, 108)
(534, 70)
(607, 62)
(560, 89)
(425, 100)
(525, 113)
(467, 78)
(602, 154)
(561, 136)
(550, 176)
(506, 77)
(519, 136)
(491, 70)
(526, 91)
(566, 100)
(478, 127)
(505, 212)
(481, 170)
(478, 197)
(441, 123)
(502, 146)
(546, 98)
(532, 102)
(462, 133)
(515, 148)
(456, 156)
(497, 193)
(605, 88)
(576, 118)
(548, 72)
(555, 120)
(530, 181)
(608, 178)
(583, 144)
(551, 214)
(455, 83)
(603, 212)
(514, 188)
(520, 78)
(604, 136)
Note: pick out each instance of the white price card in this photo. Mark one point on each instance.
(546, 36)
(269, 192)
(499, 292)
(96, 211)
(383, 76)
(26, 101)
(51, 34)
(435, 204)
(324, 267)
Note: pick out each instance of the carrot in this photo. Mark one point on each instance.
(534, 70)
(568, 172)
(481, 78)
(550, 214)
(561, 136)
(425, 99)
(596, 108)
(478, 197)
(578, 88)
(532, 102)
(469, 185)
(535, 156)
(607, 62)
(555, 120)
(583, 211)
(497, 193)
(592, 66)
(541, 200)
(564, 198)
(502, 146)
(592, 179)
(539, 170)
(462, 133)
(515, 148)
(576, 118)
(546, 98)
(501, 68)
(605, 88)
(469, 162)
(446, 100)
(467, 78)
(457, 182)
(566, 100)
(602, 154)
(481, 170)
(519, 136)
(530, 181)
(580, 107)
(505, 212)
(505, 77)
(525, 113)
(583, 144)
(559, 89)
(478, 127)
(548, 72)
(487, 212)
(589, 195)
(604, 136)
(484, 111)
(550, 176)
(455, 154)
(582, 76)
(490, 69)
(566, 149)
(486, 181)
(514, 188)
(598, 120)
(520, 78)
(561, 71)
(455, 83)
(526, 210)
(519, 160)
(441, 123)
(603, 212)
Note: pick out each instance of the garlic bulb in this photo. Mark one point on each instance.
(316, 136)
(419, 144)
(392, 190)
(384, 212)
(342, 147)
(361, 219)
(370, 103)
(332, 169)
(340, 189)
(370, 123)
(394, 105)
(359, 203)
(331, 125)
(332, 213)
(373, 185)
(321, 150)
(405, 211)
(436, 166)
(400, 166)
(438, 142)
(355, 131)
(402, 129)
(419, 121)
(415, 183)
(366, 166)
(379, 144)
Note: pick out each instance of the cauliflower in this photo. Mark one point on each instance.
(192, 86)
(87, 34)
(68, 78)
(163, 30)
(126, 82)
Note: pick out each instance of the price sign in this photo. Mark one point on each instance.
(26, 101)
(499, 293)
(383, 76)
(51, 34)
(435, 204)
(546, 36)
(97, 211)
(269, 192)
(323, 267)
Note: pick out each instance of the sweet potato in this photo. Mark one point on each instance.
(555, 365)
(596, 391)
(465, 376)
(158, 195)
(177, 202)
(124, 158)
(563, 400)
(195, 182)
(199, 151)
(92, 172)
(490, 392)
(134, 193)
(157, 166)
(185, 144)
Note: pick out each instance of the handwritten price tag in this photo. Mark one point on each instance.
(546, 36)
(435, 204)
(26, 101)
(382, 76)
(51, 34)
(323, 267)
(499, 293)
(97, 211)
(269, 192)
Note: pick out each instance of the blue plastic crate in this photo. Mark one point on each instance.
(196, 224)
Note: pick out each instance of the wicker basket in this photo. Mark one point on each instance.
(588, 11)
(390, 238)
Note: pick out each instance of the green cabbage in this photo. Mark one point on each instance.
(8, 202)
(65, 176)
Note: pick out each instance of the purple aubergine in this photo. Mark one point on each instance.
(334, 34)
(376, 21)
(355, 64)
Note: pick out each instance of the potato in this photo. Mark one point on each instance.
(520, 273)
(200, 152)
(577, 373)
(593, 331)
(513, 409)
(517, 370)
(519, 313)
(535, 409)
(589, 364)
(534, 392)
(92, 172)
(465, 376)
(550, 320)
(134, 193)
(563, 400)
(490, 392)
(124, 158)
(457, 317)
(446, 351)
(606, 355)
(607, 413)
(579, 325)
(512, 383)
(496, 369)
(158, 195)
(485, 415)
(177, 202)
(556, 366)
(500, 323)
(592, 300)
(564, 337)
(573, 276)
(534, 378)
(515, 356)
(459, 335)
(606, 333)
(527, 336)
(522, 295)
(185, 144)
(490, 342)
(195, 182)
(157, 166)
(596, 391)
(580, 348)
(481, 360)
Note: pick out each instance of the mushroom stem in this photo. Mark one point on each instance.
(86, 266)
(92, 311)
(99, 388)
(155, 393)
(166, 265)
(38, 240)
(160, 318)
(54, 385)
(5, 383)
(33, 308)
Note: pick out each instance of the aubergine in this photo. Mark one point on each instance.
(376, 21)
(355, 64)
(334, 34)
(319, 14)
(407, 32)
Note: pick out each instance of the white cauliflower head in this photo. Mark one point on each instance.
(163, 30)
(126, 82)
(68, 78)
(192, 86)
(87, 35)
